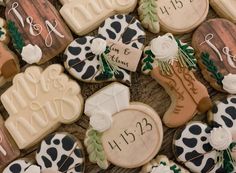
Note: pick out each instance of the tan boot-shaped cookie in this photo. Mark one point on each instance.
(169, 62)
(83, 16)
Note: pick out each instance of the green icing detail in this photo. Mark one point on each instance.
(148, 15)
(173, 168)
(205, 57)
(95, 149)
(148, 61)
(16, 36)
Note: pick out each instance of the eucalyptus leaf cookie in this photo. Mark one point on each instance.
(214, 42)
(38, 33)
(127, 134)
(111, 55)
(170, 62)
(175, 16)
(83, 16)
(161, 164)
(209, 148)
(38, 102)
(8, 149)
(225, 9)
(58, 153)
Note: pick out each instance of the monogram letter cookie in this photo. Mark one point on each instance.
(83, 16)
(214, 42)
(169, 61)
(58, 152)
(37, 30)
(38, 102)
(209, 148)
(127, 134)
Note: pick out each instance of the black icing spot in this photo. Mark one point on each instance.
(67, 143)
(203, 138)
(208, 130)
(64, 57)
(74, 50)
(89, 72)
(207, 147)
(190, 142)
(231, 111)
(119, 75)
(116, 26)
(197, 161)
(178, 150)
(209, 165)
(214, 109)
(79, 167)
(141, 39)
(227, 121)
(79, 66)
(81, 40)
(48, 139)
(15, 168)
(140, 26)
(87, 48)
(66, 161)
(52, 152)
(233, 100)
(56, 141)
(90, 56)
(195, 129)
(111, 34)
(130, 19)
(47, 163)
(120, 16)
(191, 155)
(134, 45)
(128, 35)
(225, 101)
(78, 152)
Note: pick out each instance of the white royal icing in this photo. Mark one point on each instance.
(31, 54)
(229, 83)
(162, 169)
(33, 169)
(101, 121)
(98, 46)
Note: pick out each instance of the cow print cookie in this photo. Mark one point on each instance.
(58, 152)
(209, 148)
(109, 56)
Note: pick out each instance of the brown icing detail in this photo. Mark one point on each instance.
(223, 31)
(8, 145)
(192, 92)
(8, 62)
(40, 11)
(204, 104)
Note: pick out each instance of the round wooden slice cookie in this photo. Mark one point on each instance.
(214, 42)
(181, 16)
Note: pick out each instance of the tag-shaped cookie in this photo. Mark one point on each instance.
(8, 148)
(58, 152)
(175, 16)
(38, 102)
(225, 9)
(214, 42)
(83, 16)
(161, 164)
(37, 30)
(117, 48)
(9, 65)
(127, 134)
(169, 61)
(204, 148)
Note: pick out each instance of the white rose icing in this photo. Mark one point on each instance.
(164, 47)
(229, 83)
(31, 54)
(220, 138)
(101, 121)
(162, 169)
(33, 169)
(98, 46)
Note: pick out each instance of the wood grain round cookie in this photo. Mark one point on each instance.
(181, 16)
(135, 132)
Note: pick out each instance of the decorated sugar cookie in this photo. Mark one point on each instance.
(214, 42)
(161, 164)
(210, 148)
(38, 102)
(83, 16)
(175, 16)
(58, 152)
(9, 65)
(225, 8)
(169, 61)
(38, 33)
(8, 148)
(109, 56)
(127, 134)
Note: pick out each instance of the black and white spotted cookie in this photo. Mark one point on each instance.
(60, 153)
(210, 148)
(84, 64)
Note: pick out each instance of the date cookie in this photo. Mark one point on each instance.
(38, 102)
(209, 148)
(127, 134)
(111, 55)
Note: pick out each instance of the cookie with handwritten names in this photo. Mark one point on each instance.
(161, 164)
(175, 16)
(84, 16)
(209, 147)
(127, 134)
(59, 152)
(214, 42)
(38, 33)
(8, 149)
(111, 55)
(171, 63)
(38, 102)
(225, 9)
